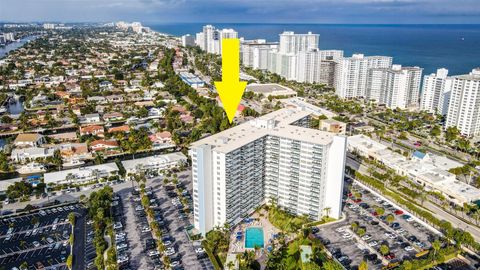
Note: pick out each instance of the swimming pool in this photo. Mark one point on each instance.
(254, 237)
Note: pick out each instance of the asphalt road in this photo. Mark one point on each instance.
(79, 241)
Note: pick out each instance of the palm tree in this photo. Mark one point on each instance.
(390, 219)
(363, 266)
(327, 211)
(436, 245)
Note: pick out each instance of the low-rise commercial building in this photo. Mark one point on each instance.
(427, 170)
(82, 175)
(154, 163)
(271, 89)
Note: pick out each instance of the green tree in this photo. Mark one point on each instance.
(69, 262)
(451, 134)
(390, 218)
(384, 250)
(363, 266)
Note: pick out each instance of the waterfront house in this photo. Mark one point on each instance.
(29, 140)
(92, 130)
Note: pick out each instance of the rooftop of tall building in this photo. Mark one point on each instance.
(278, 123)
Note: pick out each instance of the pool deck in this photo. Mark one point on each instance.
(269, 230)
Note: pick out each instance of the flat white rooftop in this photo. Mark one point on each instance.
(297, 102)
(59, 176)
(277, 123)
(154, 160)
(270, 89)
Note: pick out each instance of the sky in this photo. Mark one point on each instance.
(244, 11)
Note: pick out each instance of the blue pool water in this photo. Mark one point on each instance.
(254, 237)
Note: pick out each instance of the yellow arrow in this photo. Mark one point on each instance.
(230, 89)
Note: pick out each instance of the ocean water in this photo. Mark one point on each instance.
(455, 47)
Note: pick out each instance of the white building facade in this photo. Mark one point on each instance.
(351, 73)
(436, 92)
(275, 157)
(464, 105)
(396, 87)
(188, 40)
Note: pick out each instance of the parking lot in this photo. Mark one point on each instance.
(404, 235)
(177, 220)
(38, 239)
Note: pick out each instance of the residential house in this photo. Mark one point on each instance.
(161, 140)
(112, 116)
(101, 145)
(124, 128)
(156, 111)
(29, 140)
(64, 137)
(91, 118)
(31, 153)
(92, 130)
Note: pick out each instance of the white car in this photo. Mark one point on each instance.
(146, 229)
(122, 259)
(174, 263)
(341, 229)
(347, 235)
(169, 252)
(118, 225)
(167, 243)
(409, 248)
(43, 213)
(410, 219)
(153, 253)
(366, 237)
(373, 243)
(199, 250)
(122, 246)
(36, 244)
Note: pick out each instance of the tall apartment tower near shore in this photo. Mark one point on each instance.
(351, 74)
(294, 43)
(436, 92)
(464, 105)
(188, 40)
(210, 39)
(396, 87)
(276, 157)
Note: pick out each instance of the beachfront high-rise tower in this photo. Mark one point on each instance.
(275, 157)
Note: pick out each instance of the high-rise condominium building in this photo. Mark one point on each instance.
(436, 92)
(351, 73)
(274, 157)
(200, 40)
(294, 43)
(283, 64)
(396, 87)
(210, 40)
(188, 40)
(464, 105)
(328, 55)
(254, 53)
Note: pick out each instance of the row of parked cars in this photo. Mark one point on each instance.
(144, 227)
